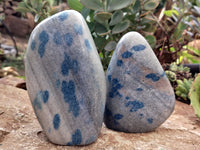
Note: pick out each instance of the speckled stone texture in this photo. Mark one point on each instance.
(139, 95)
(65, 79)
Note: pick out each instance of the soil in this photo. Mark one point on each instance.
(21, 41)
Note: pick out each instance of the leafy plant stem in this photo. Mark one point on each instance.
(177, 23)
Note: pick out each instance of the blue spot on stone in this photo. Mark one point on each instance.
(69, 64)
(44, 38)
(74, 66)
(127, 54)
(68, 39)
(45, 96)
(66, 65)
(41, 96)
(141, 116)
(119, 63)
(56, 121)
(109, 78)
(150, 120)
(127, 98)
(136, 105)
(163, 74)
(57, 83)
(127, 72)
(68, 90)
(76, 138)
(154, 77)
(138, 47)
(112, 117)
(87, 44)
(115, 87)
(33, 45)
(57, 38)
(118, 116)
(37, 103)
(139, 89)
(78, 29)
(63, 16)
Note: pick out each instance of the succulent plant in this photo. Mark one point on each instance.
(41, 9)
(174, 67)
(171, 75)
(183, 88)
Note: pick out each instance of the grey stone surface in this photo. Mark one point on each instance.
(139, 95)
(65, 79)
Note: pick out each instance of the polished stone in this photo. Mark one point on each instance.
(65, 79)
(139, 95)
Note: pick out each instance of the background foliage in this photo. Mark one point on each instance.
(168, 26)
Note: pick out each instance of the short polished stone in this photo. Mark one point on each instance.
(139, 95)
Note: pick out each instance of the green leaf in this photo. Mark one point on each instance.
(50, 2)
(101, 55)
(100, 42)
(93, 4)
(118, 4)
(121, 27)
(22, 9)
(194, 50)
(198, 3)
(85, 12)
(194, 95)
(75, 4)
(177, 35)
(190, 57)
(151, 40)
(172, 49)
(137, 6)
(116, 17)
(102, 17)
(91, 26)
(151, 4)
(33, 4)
(22, 4)
(110, 46)
(38, 5)
(169, 13)
(148, 24)
(101, 29)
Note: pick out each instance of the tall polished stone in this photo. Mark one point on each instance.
(65, 79)
(139, 95)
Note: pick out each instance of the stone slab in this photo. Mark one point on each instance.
(21, 129)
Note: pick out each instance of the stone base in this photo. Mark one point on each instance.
(20, 129)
